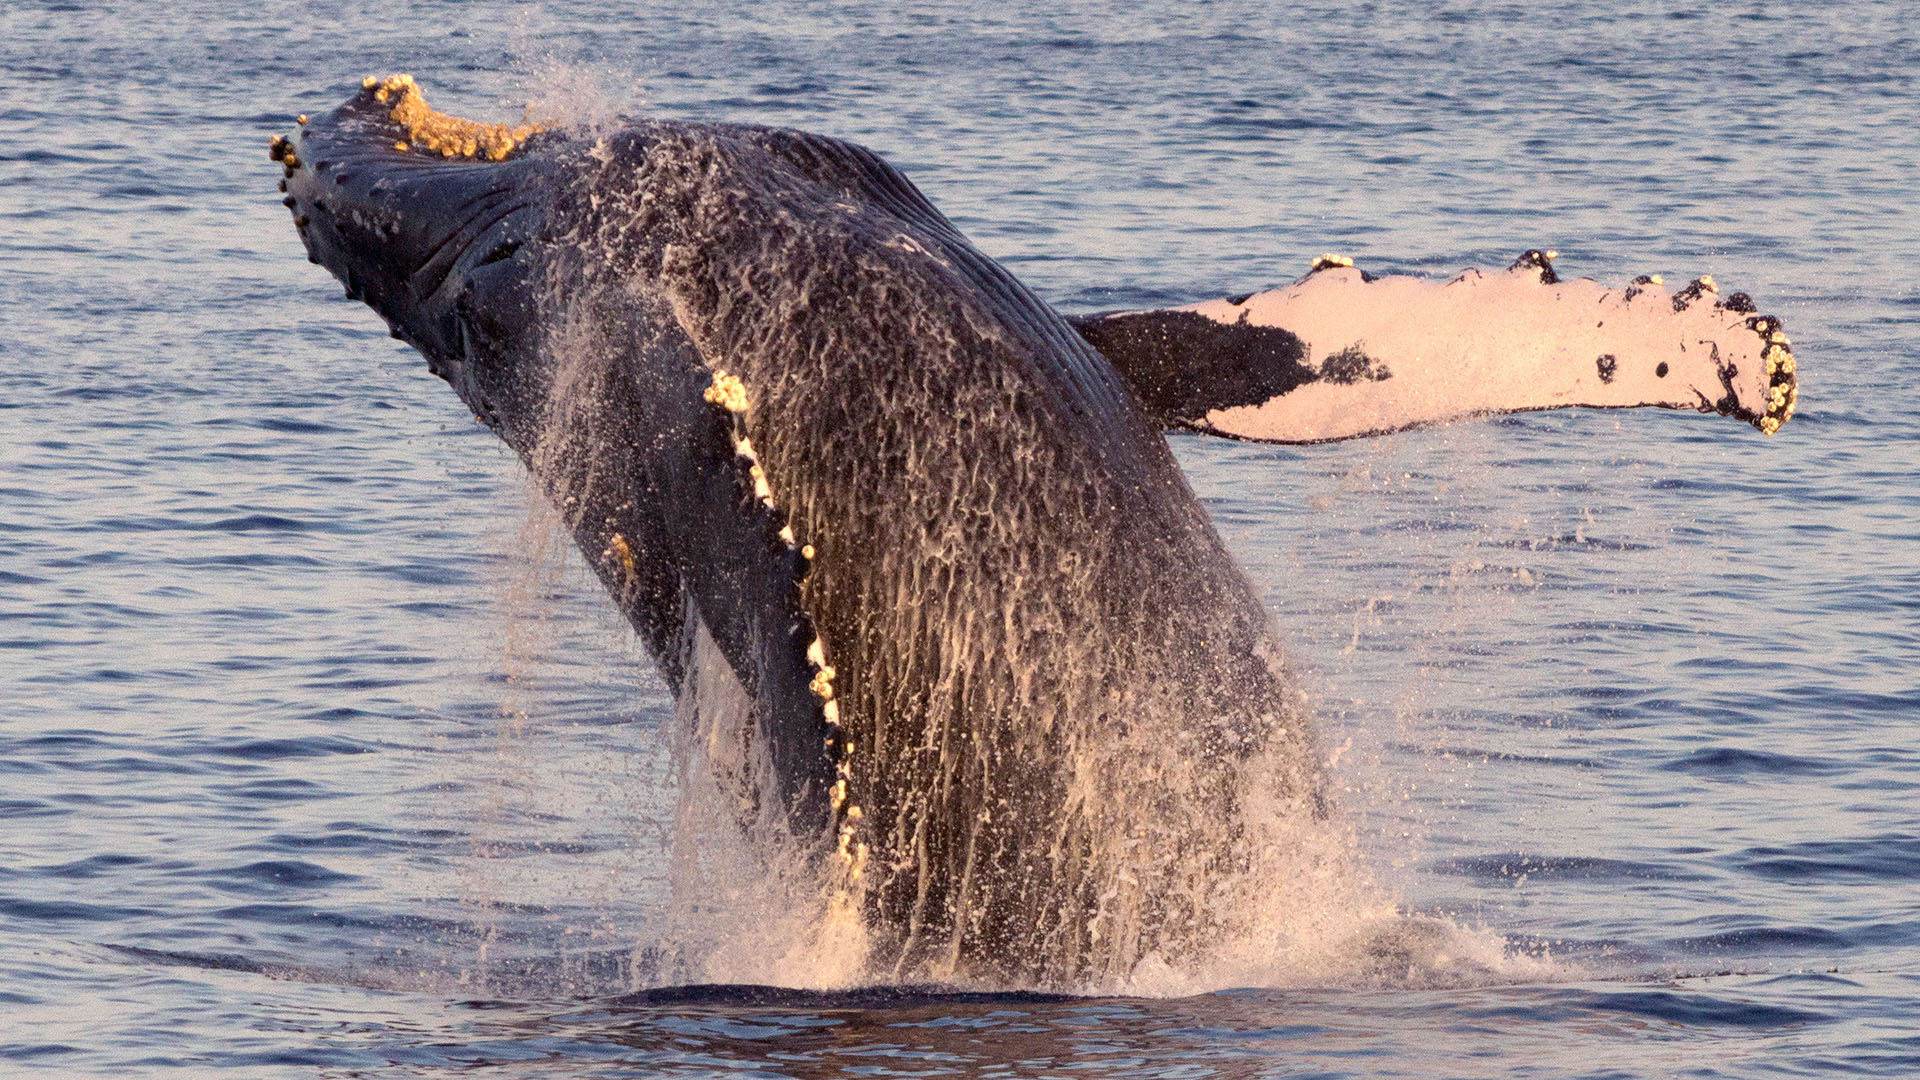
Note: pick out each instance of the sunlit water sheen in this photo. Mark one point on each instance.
(320, 756)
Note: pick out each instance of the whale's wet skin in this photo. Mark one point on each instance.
(967, 664)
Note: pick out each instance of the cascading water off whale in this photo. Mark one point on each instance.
(1008, 692)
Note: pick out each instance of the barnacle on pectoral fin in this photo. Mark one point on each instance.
(1540, 262)
(448, 136)
(1783, 386)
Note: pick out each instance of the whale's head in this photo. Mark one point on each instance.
(424, 217)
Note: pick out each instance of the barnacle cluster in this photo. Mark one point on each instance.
(280, 149)
(729, 392)
(1783, 388)
(1776, 352)
(448, 136)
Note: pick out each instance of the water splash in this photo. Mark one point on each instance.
(752, 903)
(562, 90)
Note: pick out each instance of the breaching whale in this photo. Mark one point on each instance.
(819, 447)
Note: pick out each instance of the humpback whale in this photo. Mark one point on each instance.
(1004, 684)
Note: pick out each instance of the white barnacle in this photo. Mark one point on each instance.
(1656, 279)
(817, 654)
(831, 710)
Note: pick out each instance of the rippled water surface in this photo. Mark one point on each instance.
(320, 755)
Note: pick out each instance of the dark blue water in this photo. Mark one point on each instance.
(320, 755)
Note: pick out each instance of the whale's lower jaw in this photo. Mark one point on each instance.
(1011, 687)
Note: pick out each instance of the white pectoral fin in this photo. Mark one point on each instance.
(1340, 355)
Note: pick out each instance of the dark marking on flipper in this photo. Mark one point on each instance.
(1608, 365)
(1182, 365)
(1350, 365)
(1697, 288)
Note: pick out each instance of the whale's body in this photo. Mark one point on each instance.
(935, 537)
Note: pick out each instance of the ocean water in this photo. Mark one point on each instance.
(320, 755)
